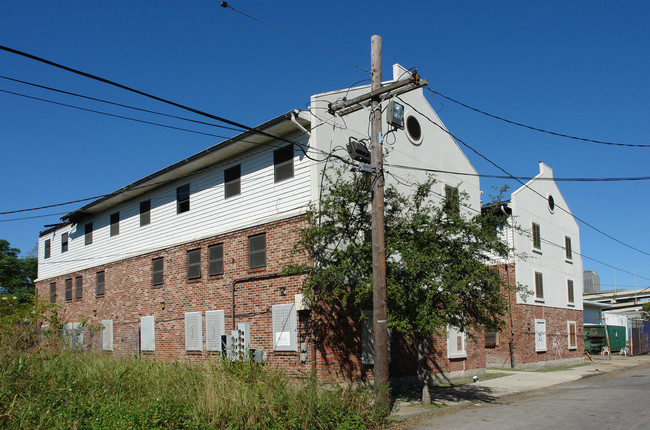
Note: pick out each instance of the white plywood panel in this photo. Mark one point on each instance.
(540, 335)
(193, 331)
(285, 327)
(148, 333)
(107, 335)
(214, 328)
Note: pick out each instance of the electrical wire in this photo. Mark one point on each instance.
(523, 183)
(118, 104)
(227, 6)
(113, 115)
(541, 130)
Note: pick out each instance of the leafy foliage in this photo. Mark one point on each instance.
(645, 311)
(435, 257)
(16, 274)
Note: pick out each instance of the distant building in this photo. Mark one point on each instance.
(591, 281)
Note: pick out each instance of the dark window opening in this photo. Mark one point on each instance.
(53, 292)
(539, 286)
(452, 202)
(551, 203)
(115, 224)
(216, 259)
(413, 128)
(537, 238)
(232, 181)
(194, 264)
(48, 248)
(88, 233)
(78, 292)
(183, 198)
(283, 163)
(68, 289)
(567, 248)
(570, 291)
(157, 270)
(64, 242)
(257, 251)
(99, 289)
(145, 212)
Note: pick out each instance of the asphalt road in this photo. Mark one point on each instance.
(616, 400)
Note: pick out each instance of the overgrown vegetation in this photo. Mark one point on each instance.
(59, 390)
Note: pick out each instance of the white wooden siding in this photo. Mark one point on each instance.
(261, 200)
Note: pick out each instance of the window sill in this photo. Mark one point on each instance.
(571, 305)
(540, 301)
(194, 280)
(99, 296)
(568, 261)
(257, 270)
(537, 251)
(573, 348)
(157, 286)
(457, 356)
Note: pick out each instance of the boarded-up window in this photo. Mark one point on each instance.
(571, 330)
(193, 331)
(537, 238)
(77, 340)
(215, 327)
(570, 294)
(216, 259)
(115, 224)
(78, 287)
(368, 340)
(567, 248)
(539, 286)
(283, 163)
(99, 288)
(64, 242)
(456, 343)
(452, 202)
(157, 269)
(183, 198)
(145, 212)
(257, 251)
(68, 289)
(194, 264)
(148, 333)
(285, 327)
(52, 292)
(232, 181)
(540, 335)
(48, 248)
(88, 233)
(107, 335)
(491, 338)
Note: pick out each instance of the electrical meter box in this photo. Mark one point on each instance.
(395, 114)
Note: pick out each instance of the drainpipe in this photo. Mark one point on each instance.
(294, 114)
(248, 279)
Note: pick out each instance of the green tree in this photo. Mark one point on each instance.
(645, 311)
(436, 261)
(17, 273)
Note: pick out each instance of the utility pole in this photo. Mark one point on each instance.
(379, 318)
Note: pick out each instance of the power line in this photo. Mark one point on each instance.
(160, 99)
(541, 130)
(523, 183)
(527, 178)
(119, 104)
(227, 6)
(112, 114)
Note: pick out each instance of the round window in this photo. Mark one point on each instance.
(413, 128)
(551, 203)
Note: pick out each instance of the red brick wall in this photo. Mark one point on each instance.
(334, 348)
(522, 318)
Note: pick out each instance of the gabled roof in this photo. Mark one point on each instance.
(218, 153)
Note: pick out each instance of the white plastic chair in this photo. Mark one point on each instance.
(605, 351)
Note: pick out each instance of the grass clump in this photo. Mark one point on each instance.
(51, 390)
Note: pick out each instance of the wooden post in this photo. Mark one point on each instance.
(379, 320)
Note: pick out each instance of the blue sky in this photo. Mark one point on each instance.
(579, 68)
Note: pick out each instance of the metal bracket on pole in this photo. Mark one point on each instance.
(344, 107)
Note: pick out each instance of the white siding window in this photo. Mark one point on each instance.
(107, 335)
(540, 335)
(215, 327)
(193, 331)
(368, 340)
(571, 332)
(148, 333)
(285, 327)
(456, 347)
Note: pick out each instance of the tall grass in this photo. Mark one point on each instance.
(59, 390)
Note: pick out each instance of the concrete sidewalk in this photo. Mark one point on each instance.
(515, 382)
